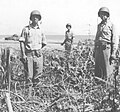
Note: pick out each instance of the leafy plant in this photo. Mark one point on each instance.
(67, 84)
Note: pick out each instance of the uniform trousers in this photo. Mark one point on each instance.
(103, 68)
(34, 64)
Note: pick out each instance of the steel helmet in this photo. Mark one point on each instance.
(35, 12)
(104, 9)
(68, 25)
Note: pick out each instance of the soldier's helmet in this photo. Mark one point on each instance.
(104, 9)
(35, 12)
(68, 25)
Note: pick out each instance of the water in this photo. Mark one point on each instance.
(54, 41)
(60, 38)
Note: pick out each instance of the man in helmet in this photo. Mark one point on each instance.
(31, 42)
(69, 35)
(105, 45)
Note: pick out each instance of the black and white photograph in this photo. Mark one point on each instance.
(59, 56)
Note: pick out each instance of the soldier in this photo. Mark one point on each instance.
(105, 45)
(69, 35)
(31, 42)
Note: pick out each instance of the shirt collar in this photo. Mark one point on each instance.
(31, 26)
(104, 23)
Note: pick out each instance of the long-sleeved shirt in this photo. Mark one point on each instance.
(106, 33)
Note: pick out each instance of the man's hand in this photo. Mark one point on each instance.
(43, 45)
(62, 44)
(112, 58)
(23, 59)
(93, 54)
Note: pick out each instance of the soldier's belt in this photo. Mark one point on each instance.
(100, 43)
(37, 53)
(103, 47)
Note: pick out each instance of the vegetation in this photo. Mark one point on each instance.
(67, 84)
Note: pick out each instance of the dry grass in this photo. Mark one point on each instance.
(66, 85)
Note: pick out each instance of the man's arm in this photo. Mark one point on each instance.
(114, 41)
(114, 44)
(44, 41)
(96, 41)
(73, 35)
(64, 39)
(22, 43)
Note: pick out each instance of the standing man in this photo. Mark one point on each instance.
(105, 45)
(68, 41)
(31, 42)
(69, 35)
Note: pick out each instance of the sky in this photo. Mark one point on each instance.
(82, 14)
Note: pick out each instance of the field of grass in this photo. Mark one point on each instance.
(66, 85)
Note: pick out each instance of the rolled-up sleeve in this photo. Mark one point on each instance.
(44, 41)
(23, 35)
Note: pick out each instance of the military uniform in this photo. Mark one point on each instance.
(69, 40)
(105, 46)
(33, 38)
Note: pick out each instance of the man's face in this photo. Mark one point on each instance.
(104, 16)
(35, 18)
(68, 27)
